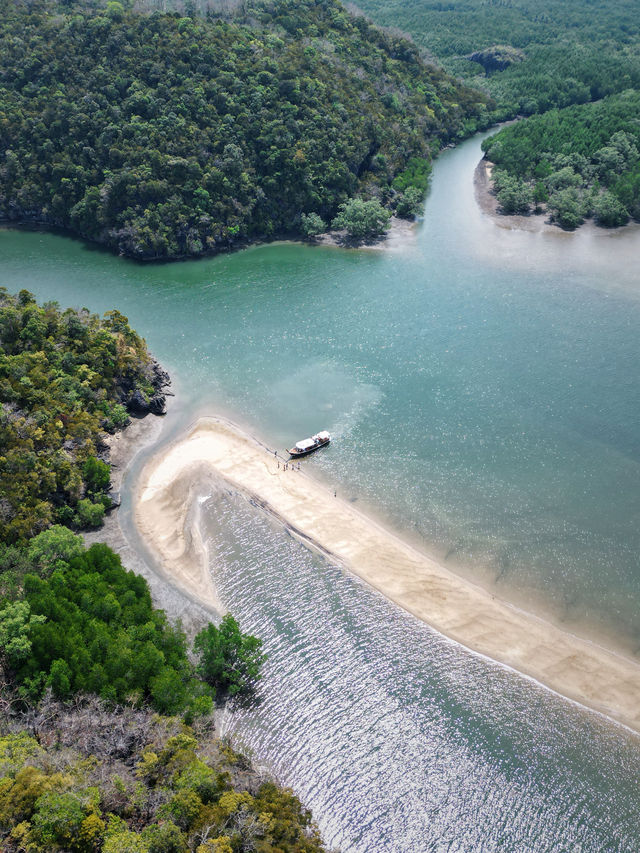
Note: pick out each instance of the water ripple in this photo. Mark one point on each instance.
(395, 737)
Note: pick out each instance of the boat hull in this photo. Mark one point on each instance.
(296, 454)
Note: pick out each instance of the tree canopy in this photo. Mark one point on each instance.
(229, 660)
(362, 219)
(576, 65)
(168, 136)
(66, 377)
(530, 57)
(583, 161)
(78, 622)
(146, 784)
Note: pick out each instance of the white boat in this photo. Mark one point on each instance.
(308, 445)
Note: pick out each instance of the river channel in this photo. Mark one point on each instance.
(482, 389)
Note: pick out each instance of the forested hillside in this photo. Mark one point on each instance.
(88, 779)
(577, 64)
(530, 56)
(165, 136)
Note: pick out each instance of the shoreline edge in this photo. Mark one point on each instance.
(573, 667)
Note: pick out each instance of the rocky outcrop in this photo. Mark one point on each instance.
(137, 401)
(497, 58)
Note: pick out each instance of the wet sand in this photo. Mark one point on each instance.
(164, 513)
(193, 611)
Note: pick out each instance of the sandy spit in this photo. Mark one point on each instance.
(488, 203)
(573, 667)
(536, 223)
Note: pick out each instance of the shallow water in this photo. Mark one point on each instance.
(398, 739)
(482, 388)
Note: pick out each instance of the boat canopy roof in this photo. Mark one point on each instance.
(305, 444)
(322, 435)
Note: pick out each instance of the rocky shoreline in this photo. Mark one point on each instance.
(139, 404)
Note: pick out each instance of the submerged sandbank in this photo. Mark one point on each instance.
(572, 666)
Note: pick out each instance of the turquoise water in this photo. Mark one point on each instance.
(482, 388)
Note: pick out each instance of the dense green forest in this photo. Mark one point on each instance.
(529, 56)
(166, 136)
(577, 64)
(75, 621)
(580, 161)
(66, 377)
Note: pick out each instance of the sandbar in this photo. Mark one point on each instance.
(574, 667)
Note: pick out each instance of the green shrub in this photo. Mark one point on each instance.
(362, 219)
(89, 514)
(609, 211)
(97, 474)
(312, 225)
(410, 203)
(229, 660)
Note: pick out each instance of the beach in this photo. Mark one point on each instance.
(166, 508)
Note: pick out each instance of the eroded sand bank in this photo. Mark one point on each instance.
(576, 668)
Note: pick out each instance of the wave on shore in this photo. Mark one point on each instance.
(166, 501)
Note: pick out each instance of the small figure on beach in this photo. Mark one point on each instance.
(335, 494)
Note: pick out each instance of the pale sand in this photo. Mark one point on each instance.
(192, 613)
(575, 668)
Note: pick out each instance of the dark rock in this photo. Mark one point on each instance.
(161, 378)
(115, 499)
(158, 404)
(138, 403)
